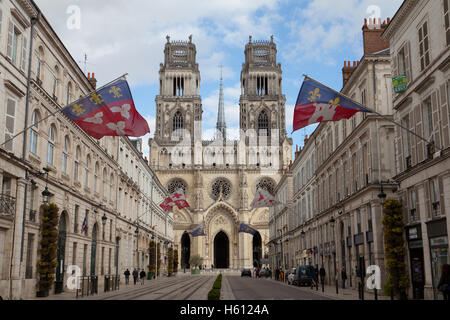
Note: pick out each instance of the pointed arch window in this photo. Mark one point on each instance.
(263, 124)
(178, 124)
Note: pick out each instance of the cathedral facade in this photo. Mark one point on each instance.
(220, 177)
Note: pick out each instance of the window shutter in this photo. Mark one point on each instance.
(436, 120)
(24, 53)
(400, 166)
(408, 62)
(419, 132)
(413, 139)
(445, 116)
(10, 40)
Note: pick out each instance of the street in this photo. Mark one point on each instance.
(244, 288)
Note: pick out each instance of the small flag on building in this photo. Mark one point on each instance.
(84, 227)
(110, 111)
(264, 199)
(199, 231)
(245, 228)
(179, 198)
(318, 103)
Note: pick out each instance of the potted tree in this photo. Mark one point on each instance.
(48, 248)
(170, 262)
(151, 266)
(195, 262)
(175, 261)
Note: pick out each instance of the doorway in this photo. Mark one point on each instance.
(221, 251)
(257, 250)
(417, 273)
(94, 250)
(185, 251)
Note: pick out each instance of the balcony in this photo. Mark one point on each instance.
(7, 205)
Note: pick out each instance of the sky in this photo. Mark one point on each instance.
(313, 37)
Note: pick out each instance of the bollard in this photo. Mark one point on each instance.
(376, 293)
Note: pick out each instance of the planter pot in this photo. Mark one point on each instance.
(149, 276)
(195, 271)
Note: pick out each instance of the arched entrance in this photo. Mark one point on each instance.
(257, 250)
(185, 251)
(221, 251)
(94, 250)
(61, 253)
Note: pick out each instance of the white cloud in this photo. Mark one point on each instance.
(129, 36)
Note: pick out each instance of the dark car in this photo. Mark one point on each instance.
(246, 273)
(304, 276)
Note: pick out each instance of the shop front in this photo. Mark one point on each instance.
(438, 237)
(416, 260)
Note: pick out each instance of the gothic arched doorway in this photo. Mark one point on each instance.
(61, 253)
(221, 251)
(185, 251)
(257, 250)
(94, 250)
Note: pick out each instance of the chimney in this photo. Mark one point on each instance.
(306, 139)
(92, 80)
(297, 152)
(372, 30)
(348, 69)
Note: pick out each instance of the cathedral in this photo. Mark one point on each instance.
(220, 177)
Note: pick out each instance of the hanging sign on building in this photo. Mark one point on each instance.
(400, 83)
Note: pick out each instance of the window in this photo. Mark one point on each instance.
(435, 197)
(104, 184)
(263, 124)
(427, 114)
(33, 132)
(29, 259)
(369, 219)
(86, 171)
(447, 20)
(10, 123)
(51, 145)
(178, 124)
(74, 254)
(111, 187)
(412, 206)
(406, 138)
(358, 221)
(76, 164)
(40, 56)
(75, 219)
(23, 62)
(96, 176)
(424, 47)
(65, 155)
(69, 93)
(55, 81)
(13, 42)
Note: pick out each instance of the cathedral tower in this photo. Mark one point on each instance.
(178, 105)
(262, 103)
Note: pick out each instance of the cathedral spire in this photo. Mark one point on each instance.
(221, 124)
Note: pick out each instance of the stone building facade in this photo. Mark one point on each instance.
(220, 177)
(419, 36)
(341, 171)
(108, 182)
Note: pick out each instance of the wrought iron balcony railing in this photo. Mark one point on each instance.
(7, 205)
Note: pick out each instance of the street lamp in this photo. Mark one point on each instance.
(46, 195)
(104, 219)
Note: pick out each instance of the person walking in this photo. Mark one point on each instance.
(316, 277)
(142, 275)
(127, 276)
(212, 268)
(322, 274)
(277, 274)
(343, 277)
(444, 282)
(135, 276)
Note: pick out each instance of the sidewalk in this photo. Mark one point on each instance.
(123, 288)
(344, 294)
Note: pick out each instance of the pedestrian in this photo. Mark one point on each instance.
(127, 277)
(142, 275)
(277, 274)
(212, 267)
(316, 275)
(343, 276)
(257, 273)
(135, 275)
(444, 282)
(322, 274)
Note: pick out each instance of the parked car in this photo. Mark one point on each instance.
(291, 276)
(246, 273)
(304, 276)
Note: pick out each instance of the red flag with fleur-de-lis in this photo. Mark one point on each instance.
(110, 111)
(179, 198)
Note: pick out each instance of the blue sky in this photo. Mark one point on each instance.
(313, 37)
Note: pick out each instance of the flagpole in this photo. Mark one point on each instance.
(375, 112)
(60, 110)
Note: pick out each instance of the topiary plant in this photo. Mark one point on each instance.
(394, 248)
(152, 249)
(48, 247)
(196, 261)
(170, 260)
(175, 261)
